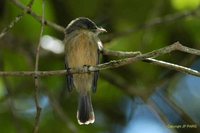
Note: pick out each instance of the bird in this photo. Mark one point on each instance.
(82, 49)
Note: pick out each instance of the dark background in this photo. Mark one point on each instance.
(136, 98)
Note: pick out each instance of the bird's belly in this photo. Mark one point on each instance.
(84, 53)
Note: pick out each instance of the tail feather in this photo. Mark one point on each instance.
(85, 113)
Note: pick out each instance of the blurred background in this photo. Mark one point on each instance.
(136, 98)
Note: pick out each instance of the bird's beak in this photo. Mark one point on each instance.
(101, 30)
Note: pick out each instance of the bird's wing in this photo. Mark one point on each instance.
(69, 77)
(96, 74)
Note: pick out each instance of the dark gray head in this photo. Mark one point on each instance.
(83, 23)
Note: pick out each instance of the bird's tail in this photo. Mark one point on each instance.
(85, 113)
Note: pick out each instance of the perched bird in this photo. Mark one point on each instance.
(82, 48)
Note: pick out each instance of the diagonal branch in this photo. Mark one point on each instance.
(155, 53)
(11, 25)
(173, 66)
(155, 22)
(37, 17)
(16, 20)
(108, 38)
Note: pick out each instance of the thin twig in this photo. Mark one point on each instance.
(120, 54)
(36, 97)
(155, 22)
(150, 24)
(175, 46)
(33, 73)
(173, 66)
(37, 17)
(121, 62)
(153, 54)
(6, 29)
(16, 20)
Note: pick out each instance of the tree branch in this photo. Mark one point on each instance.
(16, 20)
(10, 26)
(121, 62)
(108, 38)
(36, 96)
(173, 47)
(37, 17)
(155, 22)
